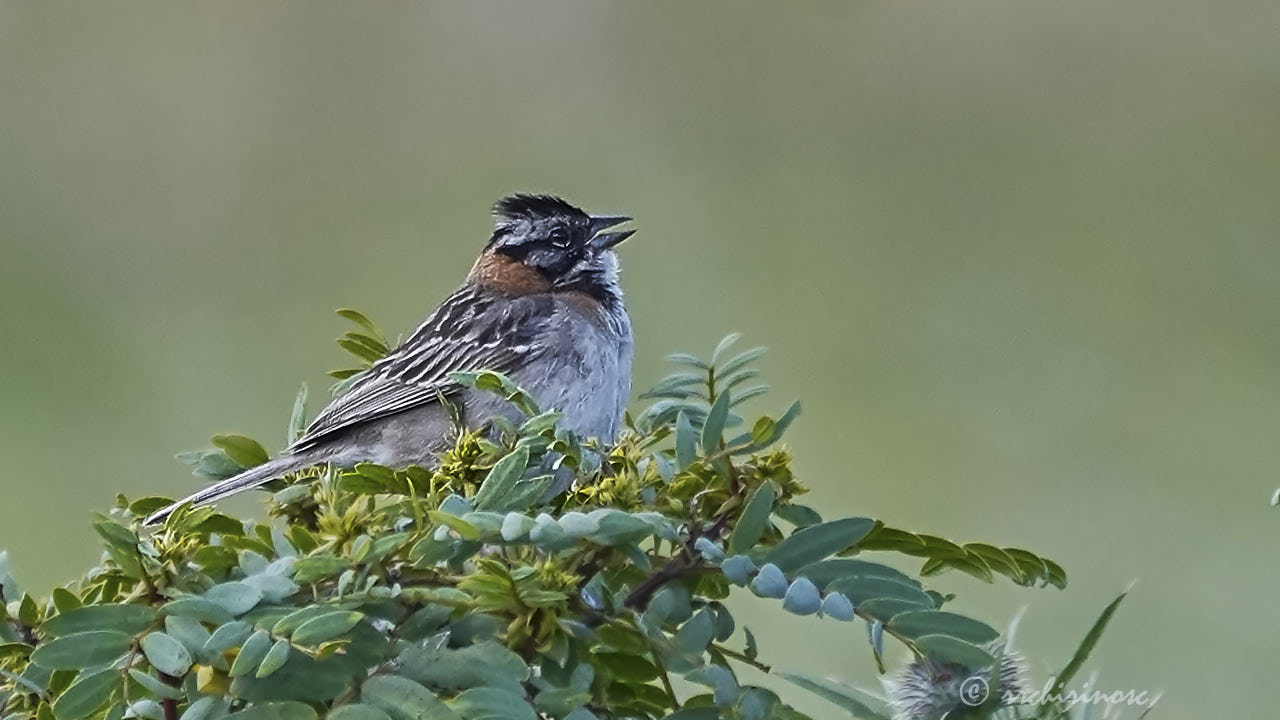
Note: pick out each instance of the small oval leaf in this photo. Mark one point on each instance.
(166, 654)
(82, 650)
(275, 659)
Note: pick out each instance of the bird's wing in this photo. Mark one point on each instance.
(471, 330)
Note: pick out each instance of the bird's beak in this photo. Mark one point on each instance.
(604, 222)
(603, 240)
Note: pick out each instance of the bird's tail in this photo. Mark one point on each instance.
(251, 478)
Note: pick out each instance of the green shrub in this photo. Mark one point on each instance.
(463, 593)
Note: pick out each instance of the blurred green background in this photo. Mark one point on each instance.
(1018, 259)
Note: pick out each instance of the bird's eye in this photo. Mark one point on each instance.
(559, 237)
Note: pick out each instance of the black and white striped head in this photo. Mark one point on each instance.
(566, 246)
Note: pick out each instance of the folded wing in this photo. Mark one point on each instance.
(471, 330)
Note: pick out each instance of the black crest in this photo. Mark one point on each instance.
(532, 207)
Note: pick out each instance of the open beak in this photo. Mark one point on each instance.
(603, 240)
(604, 222)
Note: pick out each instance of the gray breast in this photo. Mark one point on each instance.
(585, 373)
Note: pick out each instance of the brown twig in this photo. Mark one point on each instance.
(169, 704)
(682, 563)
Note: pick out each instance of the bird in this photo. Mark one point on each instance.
(542, 304)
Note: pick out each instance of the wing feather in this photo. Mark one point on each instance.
(472, 329)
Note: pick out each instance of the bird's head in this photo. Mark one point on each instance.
(542, 243)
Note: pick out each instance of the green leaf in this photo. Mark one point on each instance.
(129, 619)
(146, 505)
(228, 636)
(971, 564)
(1086, 646)
(540, 423)
(197, 608)
(858, 703)
(740, 361)
(825, 572)
(617, 527)
(294, 620)
(298, 418)
(275, 711)
(945, 648)
(492, 704)
(251, 654)
(166, 654)
(816, 542)
(763, 431)
(802, 597)
(464, 529)
(687, 359)
(86, 695)
(375, 347)
(1057, 576)
(274, 587)
(780, 426)
(121, 544)
(359, 349)
(499, 384)
(729, 382)
(275, 659)
(15, 649)
(801, 516)
(204, 708)
(235, 597)
(885, 609)
(676, 385)
(694, 636)
(317, 567)
(8, 586)
(64, 600)
(497, 486)
(28, 611)
(360, 319)
(623, 639)
(753, 520)
(404, 699)
(929, 622)
(713, 426)
(686, 441)
(745, 394)
(484, 664)
(563, 702)
(722, 682)
(357, 712)
(860, 589)
(528, 492)
(209, 464)
(24, 681)
(725, 343)
(246, 452)
(82, 650)
(326, 627)
(627, 667)
(187, 631)
(114, 533)
(998, 560)
(154, 685)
